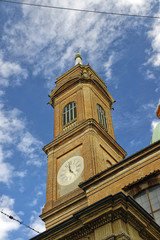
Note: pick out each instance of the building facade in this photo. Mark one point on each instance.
(93, 191)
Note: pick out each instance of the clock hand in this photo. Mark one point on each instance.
(71, 169)
(69, 165)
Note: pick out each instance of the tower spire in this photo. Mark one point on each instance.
(78, 58)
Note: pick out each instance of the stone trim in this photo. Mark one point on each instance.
(120, 236)
(90, 124)
(111, 216)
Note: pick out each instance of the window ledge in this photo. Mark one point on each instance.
(70, 125)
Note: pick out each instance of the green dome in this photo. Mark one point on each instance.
(78, 55)
(156, 134)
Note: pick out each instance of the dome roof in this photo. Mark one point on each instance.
(78, 55)
(156, 134)
(158, 110)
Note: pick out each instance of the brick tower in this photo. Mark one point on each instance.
(84, 142)
(93, 191)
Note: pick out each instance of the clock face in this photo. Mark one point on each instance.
(70, 170)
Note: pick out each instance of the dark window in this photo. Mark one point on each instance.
(149, 199)
(101, 116)
(69, 113)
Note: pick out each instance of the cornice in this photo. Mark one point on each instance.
(79, 78)
(109, 209)
(79, 128)
(64, 202)
(68, 72)
(81, 67)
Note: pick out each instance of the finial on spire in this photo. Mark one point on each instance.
(78, 59)
(158, 110)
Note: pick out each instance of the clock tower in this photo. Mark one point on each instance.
(84, 141)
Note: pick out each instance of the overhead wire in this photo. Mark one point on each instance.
(81, 10)
(14, 219)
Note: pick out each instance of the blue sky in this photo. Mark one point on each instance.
(39, 44)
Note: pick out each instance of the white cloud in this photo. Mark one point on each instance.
(157, 89)
(20, 174)
(36, 223)
(154, 35)
(126, 118)
(21, 213)
(135, 6)
(14, 135)
(1, 93)
(27, 143)
(150, 74)
(11, 125)
(4, 82)
(13, 130)
(40, 193)
(149, 106)
(9, 70)
(6, 224)
(30, 146)
(108, 66)
(53, 35)
(34, 202)
(21, 188)
(135, 142)
(6, 169)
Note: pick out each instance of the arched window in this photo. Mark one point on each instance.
(69, 113)
(101, 116)
(149, 199)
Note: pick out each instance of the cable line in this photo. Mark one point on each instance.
(81, 10)
(12, 218)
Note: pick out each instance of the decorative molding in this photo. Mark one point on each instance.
(141, 228)
(106, 211)
(69, 199)
(112, 216)
(79, 73)
(90, 124)
(89, 227)
(120, 236)
(70, 125)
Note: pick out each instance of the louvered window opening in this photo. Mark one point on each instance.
(101, 116)
(69, 113)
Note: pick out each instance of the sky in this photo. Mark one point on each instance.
(37, 45)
